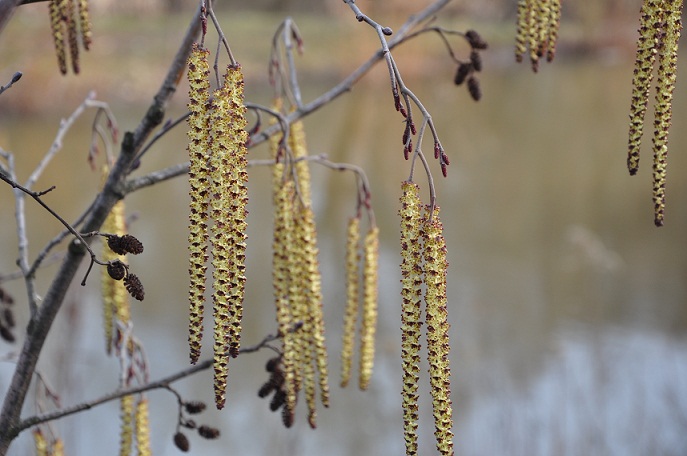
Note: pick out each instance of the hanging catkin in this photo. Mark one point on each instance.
(352, 297)
(411, 306)
(438, 346)
(198, 134)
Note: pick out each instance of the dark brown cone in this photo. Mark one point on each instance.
(181, 442)
(134, 287)
(116, 270)
(194, 407)
(208, 432)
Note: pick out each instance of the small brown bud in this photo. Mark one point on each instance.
(5, 297)
(476, 60)
(208, 432)
(464, 69)
(116, 270)
(273, 364)
(8, 315)
(474, 88)
(278, 400)
(287, 417)
(122, 245)
(134, 287)
(181, 442)
(6, 334)
(189, 424)
(194, 407)
(475, 40)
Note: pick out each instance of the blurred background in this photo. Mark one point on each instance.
(568, 307)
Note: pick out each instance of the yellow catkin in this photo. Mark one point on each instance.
(281, 277)
(665, 86)
(521, 31)
(411, 309)
(369, 320)
(116, 305)
(85, 24)
(126, 426)
(352, 297)
(72, 34)
(199, 95)
(553, 26)
(142, 428)
(437, 330)
(641, 79)
(228, 201)
(537, 30)
(283, 194)
(57, 448)
(40, 443)
(57, 28)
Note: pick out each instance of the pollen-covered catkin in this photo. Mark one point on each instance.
(116, 306)
(126, 425)
(198, 134)
(57, 28)
(85, 24)
(40, 443)
(72, 35)
(352, 297)
(313, 332)
(228, 201)
(537, 29)
(369, 319)
(411, 309)
(665, 86)
(641, 79)
(438, 346)
(142, 428)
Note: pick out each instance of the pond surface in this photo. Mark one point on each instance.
(568, 307)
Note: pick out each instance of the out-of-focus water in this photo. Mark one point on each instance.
(568, 307)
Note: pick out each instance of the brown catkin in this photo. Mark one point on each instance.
(199, 95)
(411, 309)
(352, 297)
(438, 346)
(369, 320)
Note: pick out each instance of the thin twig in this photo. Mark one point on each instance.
(15, 77)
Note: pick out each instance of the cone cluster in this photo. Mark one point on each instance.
(297, 281)
(217, 151)
(537, 29)
(659, 31)
(70, 26)
(423, 251)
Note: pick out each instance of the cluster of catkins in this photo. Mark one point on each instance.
(423, 250)
(217, 175)
(7, 321)
(538, 24)
(659, 31)
(117, 285)
(70, 23)
(466, 70)
(368, 325)
(296, 277)
(134, 426)
(47, 445)
(207, 432)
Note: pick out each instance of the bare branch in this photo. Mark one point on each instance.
(41, 322)
(162, 383)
